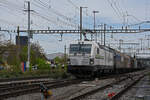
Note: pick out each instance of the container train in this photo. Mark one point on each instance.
(90, 59)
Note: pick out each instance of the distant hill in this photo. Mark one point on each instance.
(54, 55)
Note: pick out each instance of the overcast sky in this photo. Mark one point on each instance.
(64, 14)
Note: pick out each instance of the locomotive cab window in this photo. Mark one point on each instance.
(80, 48)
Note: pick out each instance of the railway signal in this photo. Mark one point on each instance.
(45, 92)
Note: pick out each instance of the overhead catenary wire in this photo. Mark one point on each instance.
(119, 16)
(85, 12)
(17, 13)
(56, 18)
(118, 8)
(17, 10)
(54, 11)
(10, 9)
(78, 8)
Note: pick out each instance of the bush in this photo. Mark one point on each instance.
(11, 55)
(42, 64)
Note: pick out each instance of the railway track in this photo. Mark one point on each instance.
(71, 92)
(8, 91)
(17, 88)
(13, 91)
(22, 79)
(126, 84)
(86, 91)
(121, 92)
(19, 83)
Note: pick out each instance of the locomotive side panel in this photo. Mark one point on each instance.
(99, 58)
(103, 58)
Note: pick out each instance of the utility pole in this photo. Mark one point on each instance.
(81, 22)
(141, 44)
(18, 34)
(18, 45)
(124, 19)
(104, 34)
(148, 38)
(120, 44)
(101, 27)
(29, 34)
(94, 12)
(65, 53)
(29, 46)
(10, 37)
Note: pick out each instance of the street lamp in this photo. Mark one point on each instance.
(94, 12)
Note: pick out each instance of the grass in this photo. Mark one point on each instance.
(37, 73)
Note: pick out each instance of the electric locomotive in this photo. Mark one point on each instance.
(90, 59)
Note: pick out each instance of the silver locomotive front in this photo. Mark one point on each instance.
(80, 62)
(79, 54)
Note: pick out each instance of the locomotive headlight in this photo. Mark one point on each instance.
(91, 61)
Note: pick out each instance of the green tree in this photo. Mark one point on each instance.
(42, 64)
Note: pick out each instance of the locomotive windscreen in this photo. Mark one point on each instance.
(80, 48)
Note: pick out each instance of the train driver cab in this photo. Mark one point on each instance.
(80, 48)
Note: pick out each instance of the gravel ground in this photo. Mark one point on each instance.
(131, 94)
(35, 96)
(64, 93)
(68, 92)
(97, 84)
(103, 95)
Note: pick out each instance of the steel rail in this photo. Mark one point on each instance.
(20, 79)
(84, 95)
(35, 88)
(118, 95)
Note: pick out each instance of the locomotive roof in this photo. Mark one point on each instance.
(112, 50)
(101, 46)
(107, 48)
(84, 42)
(95, 43)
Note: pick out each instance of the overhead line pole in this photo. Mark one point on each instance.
(101, 35)
(141, 44)
(29, 34)
(29, 46)
(104, 34)
(94, 12)
(80, 23)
